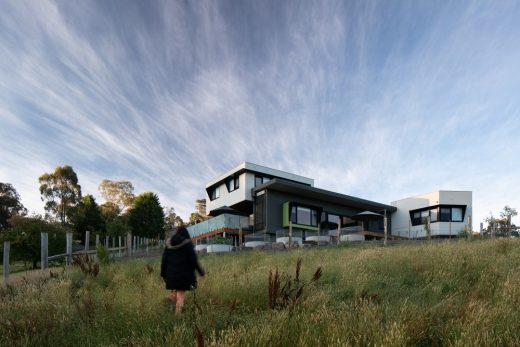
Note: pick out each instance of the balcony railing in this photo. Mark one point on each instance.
(223, 221)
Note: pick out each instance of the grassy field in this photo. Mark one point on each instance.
(455, 293)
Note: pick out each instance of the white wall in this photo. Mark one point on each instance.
(401, 223)
(230, 198)
(246, 183)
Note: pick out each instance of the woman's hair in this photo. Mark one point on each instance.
(182, 231)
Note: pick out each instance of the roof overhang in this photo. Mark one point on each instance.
(324, 195)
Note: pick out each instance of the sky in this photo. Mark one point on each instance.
(377, 99)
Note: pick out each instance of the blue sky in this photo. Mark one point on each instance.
(376, 99)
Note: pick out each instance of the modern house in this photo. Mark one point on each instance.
(269, 204)
(447, 213)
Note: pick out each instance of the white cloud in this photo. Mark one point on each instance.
(375, 100)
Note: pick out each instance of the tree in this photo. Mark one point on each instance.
(10, 204)
(146, 217)
(87, 216)
(500, 226)
(196, 218)
(116, 223)
(24, 235)
(507, 213)
(120, 193)
(61, 190)
(171, 218)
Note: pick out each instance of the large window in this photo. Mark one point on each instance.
(438, 214)
(456, 214)
(304, 215)
(445, 214)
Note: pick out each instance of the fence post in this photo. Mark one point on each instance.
(7, 248)
(69, 248)
(87, 240)
(44, 260)
(128, 244)
(146, 245)
(119, 244)
(107, 241)
(97, 240)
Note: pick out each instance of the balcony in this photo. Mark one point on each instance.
(227, 223)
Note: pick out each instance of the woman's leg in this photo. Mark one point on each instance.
(172, 295)
(180, 301)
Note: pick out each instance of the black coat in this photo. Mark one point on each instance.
(179, 263)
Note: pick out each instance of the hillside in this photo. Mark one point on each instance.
(452, 293)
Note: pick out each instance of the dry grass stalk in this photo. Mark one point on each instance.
(286, 292)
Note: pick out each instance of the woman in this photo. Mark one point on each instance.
(178, 266)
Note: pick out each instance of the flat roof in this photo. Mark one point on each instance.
(250, 167)
(324, 195)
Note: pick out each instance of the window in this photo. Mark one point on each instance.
(416, 218)
(334, 221)
(215, 193)
(233, 184)
(456, 214)
(442, 213)
(445, 214)
(259, 180)
(304, 215)
(433, 215)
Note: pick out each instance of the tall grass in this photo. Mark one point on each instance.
(430, 294)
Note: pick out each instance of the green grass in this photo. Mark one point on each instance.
(455, 293)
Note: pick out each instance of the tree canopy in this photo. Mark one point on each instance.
(61, 190)
(25, 238)
(171, 219)
(146, 217)
(10, 204)
(119, 193)
(87, 216)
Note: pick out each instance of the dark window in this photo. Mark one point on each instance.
(215, 193)
(293, 214)
(259, 180)
(304, 215)
(445, 214)
(424, 216)
(260, 212)
(233, 184)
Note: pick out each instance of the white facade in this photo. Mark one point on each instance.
(409, 219)
(246, 173)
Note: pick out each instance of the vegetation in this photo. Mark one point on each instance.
(501, 226)
(10, 204)
(146, 217)
(87, 216)
(118, 193)
(25, 236)
(456, 293)
(171, 219)
(61, 190)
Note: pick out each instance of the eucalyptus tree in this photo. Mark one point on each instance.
(61, 191)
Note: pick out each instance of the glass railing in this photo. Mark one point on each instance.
(228, 221)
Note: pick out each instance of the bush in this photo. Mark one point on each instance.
(103, 254)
